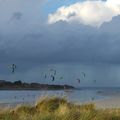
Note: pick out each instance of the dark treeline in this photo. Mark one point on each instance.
(19, 85)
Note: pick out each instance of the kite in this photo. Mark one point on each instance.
(13, 67)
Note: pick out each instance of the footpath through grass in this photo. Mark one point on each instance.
(59, 109)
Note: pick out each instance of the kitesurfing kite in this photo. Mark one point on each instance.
(84, 74)
(45, 76)
(78, 80)
(53, 78)
(13, 67)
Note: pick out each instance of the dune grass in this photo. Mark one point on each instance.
(53, 108)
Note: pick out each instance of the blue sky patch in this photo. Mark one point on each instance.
(52, 5)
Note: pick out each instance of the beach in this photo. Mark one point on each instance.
(106, 107)
(112, 100)
(55, 108)
(102, 100)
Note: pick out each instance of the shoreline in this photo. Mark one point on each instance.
(107, 103)
(112, 99)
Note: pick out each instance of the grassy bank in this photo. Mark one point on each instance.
(58, 109)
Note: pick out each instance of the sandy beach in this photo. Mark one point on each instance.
(113, 102)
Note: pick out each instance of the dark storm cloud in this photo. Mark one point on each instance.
(63, 42)
(32, 44)
(31, 39)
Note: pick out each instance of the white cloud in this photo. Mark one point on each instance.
(93, 13)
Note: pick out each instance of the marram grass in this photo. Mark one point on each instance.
(54, 108)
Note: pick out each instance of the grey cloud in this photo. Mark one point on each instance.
(111, 27)
(33, 46)
(16, 16)
(63, 42)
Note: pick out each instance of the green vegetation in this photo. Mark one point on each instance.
(19, 85)
(59, 109)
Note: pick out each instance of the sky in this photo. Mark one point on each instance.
(71, 36)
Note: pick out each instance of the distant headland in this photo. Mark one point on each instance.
(19, 85)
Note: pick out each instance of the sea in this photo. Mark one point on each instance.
(82, 95)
